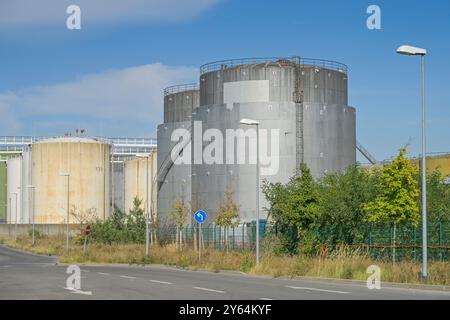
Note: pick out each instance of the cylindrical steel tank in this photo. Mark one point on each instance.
(135, 181)
(3, 192)
(179, 102)
(117, 183)
(13, 194)
(87, 162)
(301, 106)
(174, 180)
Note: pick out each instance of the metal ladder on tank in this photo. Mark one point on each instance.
(168, 162)
(365, 153)
(298, 99)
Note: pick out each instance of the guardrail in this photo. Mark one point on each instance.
(282, 61)
(181, 88)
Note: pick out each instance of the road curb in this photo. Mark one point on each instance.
(385, 284)
(28, 252)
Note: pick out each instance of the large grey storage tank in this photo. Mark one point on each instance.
(174, 181)
(302, 103)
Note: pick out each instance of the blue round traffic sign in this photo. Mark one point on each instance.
(200, 216)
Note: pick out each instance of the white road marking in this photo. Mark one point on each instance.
(265, 299)
(206, 289)
(315, 289)
(163, 282)
(73, 290)
(128, 277)
(103, 273)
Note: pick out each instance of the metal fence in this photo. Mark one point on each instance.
(377, 241)
(239, 238)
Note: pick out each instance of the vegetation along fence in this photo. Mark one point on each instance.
(376, 241)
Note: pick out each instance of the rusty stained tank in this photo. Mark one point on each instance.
(135, 181)
(87, 186)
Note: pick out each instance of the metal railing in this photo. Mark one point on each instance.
(17, 144)
(281, 61)
(181, 88)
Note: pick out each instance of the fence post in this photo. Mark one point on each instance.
(220, 238)
(390, 240)
(234, 240)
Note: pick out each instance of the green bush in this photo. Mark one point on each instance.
(121, 227)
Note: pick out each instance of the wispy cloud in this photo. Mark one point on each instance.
(39, 12)
(127, 100)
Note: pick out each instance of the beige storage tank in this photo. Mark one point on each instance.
(87, 163)
(439, 162)
(135, 171)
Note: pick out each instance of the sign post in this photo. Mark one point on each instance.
(200, 217)
(87, 232)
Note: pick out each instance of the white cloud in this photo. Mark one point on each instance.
(8, 120)
(38, 12)
(126, 98)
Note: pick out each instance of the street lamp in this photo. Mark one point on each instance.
(65, 174)
(32, 187)
(146, 156)
(414, 51)
(250, 122)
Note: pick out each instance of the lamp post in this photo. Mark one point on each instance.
(146, 156)
(250, 122)
(65, 174)
(414, 51)
(33, 188)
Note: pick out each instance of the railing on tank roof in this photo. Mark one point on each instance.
(130, 141)
(17, 144)
(283, 61)
(18, 140)
(181, 88)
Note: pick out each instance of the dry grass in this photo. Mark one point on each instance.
(344, 264)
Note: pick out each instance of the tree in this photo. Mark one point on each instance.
(295, 204)
(179, 215)
(438, 197)
(397, 201)
(228, 214)
(83, 218)
(343, 195)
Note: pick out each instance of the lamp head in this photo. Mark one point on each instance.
(411, 51)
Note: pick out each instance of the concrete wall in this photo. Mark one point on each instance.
(8, 230)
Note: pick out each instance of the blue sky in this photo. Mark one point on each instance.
(108, 76)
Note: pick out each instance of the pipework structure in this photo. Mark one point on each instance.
(301, 102)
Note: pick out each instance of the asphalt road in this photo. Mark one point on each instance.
(27, 276)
